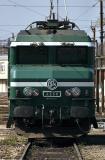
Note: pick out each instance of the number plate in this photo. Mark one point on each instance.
(51, 93)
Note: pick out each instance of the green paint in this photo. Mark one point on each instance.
(52, 38)
(48, 71)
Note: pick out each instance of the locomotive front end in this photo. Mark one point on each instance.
(51, 77)
(52, 84)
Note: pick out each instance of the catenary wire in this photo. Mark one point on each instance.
(27, 8)
(86, 11)
(44, 6)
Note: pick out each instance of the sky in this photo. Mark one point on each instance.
(16, 15)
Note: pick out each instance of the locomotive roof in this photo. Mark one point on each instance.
(50, 33)
(61, 36)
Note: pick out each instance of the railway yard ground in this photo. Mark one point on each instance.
(11, 145)
(91, 147)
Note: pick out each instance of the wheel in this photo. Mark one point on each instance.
(21, 126)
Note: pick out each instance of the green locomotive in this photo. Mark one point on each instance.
(51, 77)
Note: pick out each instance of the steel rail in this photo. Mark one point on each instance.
(77, 151)
(23, 156)
(27, 147)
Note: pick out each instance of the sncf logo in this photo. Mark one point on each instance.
(51, 84)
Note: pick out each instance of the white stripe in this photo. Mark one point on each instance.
(76, 84)
(28, 84)
(89, 44)
(59, 84)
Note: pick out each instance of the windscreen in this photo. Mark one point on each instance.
(32, 55)
(58, 55)
(72, 55)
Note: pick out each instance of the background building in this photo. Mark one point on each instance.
(3, 66)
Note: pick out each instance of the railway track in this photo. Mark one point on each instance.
(42, 150)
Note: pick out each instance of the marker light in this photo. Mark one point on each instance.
(35, 92)
(75, 91)
(27, 91)
(68, 92)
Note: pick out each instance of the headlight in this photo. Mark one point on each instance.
(68, 92)
(36, 92)
(27, 91)
(76, 91)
